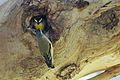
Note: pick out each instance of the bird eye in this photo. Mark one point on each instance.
(40, 20)
(36, 20)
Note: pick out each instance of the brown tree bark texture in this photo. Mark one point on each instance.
(89, 41)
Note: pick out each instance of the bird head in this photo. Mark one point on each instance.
(37, 23)
(38, 20)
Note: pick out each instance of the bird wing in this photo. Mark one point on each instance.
(44, 45)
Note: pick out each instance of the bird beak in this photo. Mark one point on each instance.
(38, 23)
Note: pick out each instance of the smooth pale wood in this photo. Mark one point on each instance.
(110, 73)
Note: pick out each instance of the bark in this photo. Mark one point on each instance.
(86, 39)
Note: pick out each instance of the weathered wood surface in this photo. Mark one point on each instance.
(85, 40)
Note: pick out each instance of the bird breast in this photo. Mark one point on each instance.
(39, 26)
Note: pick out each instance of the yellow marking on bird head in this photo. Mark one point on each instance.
(40, 20)
(35, 20)
(39, 26)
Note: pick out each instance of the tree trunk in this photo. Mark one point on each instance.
(85, 38)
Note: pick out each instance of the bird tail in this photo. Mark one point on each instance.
(50, 65)
(49, 62)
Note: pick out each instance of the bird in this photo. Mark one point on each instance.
(44, 44)
(46, 48)
(39, 22)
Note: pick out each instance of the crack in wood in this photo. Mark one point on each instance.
(67, 72)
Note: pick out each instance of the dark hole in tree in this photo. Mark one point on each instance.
(34, 10)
